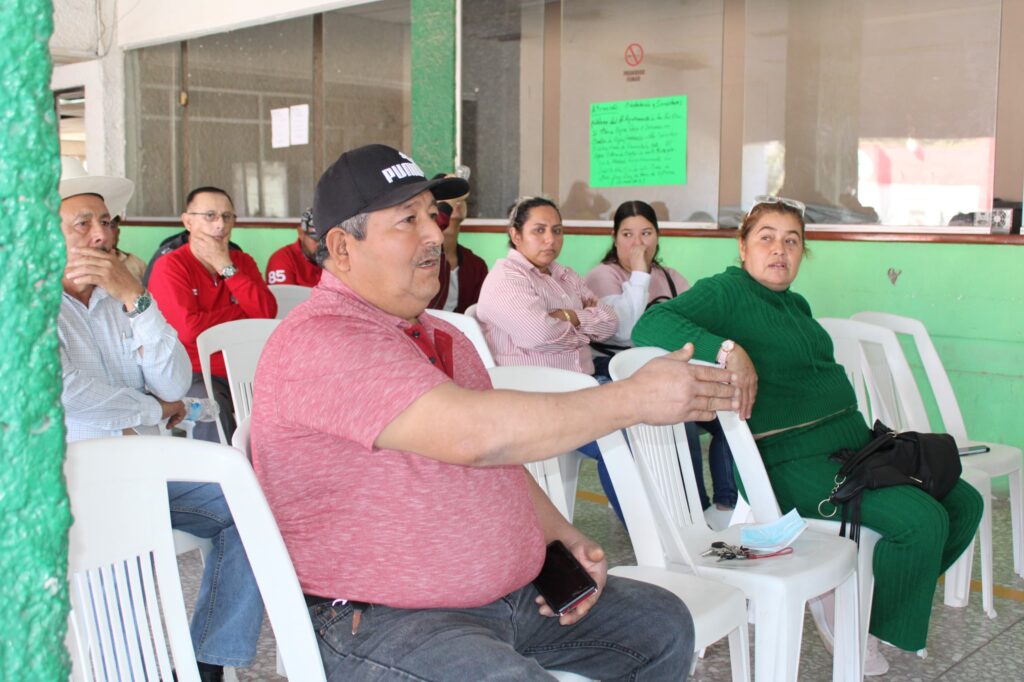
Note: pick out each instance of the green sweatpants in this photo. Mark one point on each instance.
(921, 536)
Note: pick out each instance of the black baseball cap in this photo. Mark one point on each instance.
(371, 178)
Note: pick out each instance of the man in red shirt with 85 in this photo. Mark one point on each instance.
(296, 262)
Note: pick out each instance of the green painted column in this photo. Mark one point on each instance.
(34, 514)
(433, 85)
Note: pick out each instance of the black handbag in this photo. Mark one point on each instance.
(929, 461)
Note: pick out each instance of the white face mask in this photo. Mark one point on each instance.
(771, 537)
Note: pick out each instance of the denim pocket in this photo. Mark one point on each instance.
(333, 625)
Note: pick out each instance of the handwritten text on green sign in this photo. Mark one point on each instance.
(638, 142)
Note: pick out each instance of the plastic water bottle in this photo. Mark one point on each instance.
(201, 409)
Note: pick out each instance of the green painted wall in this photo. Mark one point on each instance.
(34, 515)
(971, 298)
(433, 81)
(258, 242)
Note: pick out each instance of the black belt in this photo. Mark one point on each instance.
(313, 600)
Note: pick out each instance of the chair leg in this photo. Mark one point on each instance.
(958, 579)
(985, 532)
(865, 587)
(739, 653)
(1016, 481)
(778, 629)
(847, 661)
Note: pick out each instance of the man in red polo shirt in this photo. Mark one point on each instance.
(204, 283)
(296, 263)
(395, 472)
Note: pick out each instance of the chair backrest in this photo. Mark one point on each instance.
(471, 328)
(128, 616)
(942, 389)
(624, 363)
(850, 354)
(892, 393)
(748, 462)
(241, 341)
(662, 456)
(240, 438)
(557, 476)
(288, 296)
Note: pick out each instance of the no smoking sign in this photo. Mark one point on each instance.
(633, 55)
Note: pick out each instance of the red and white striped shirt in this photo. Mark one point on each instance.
(513, 311)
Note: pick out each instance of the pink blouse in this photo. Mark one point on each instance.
(513, 311)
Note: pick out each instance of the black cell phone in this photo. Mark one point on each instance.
(968, 450)
(563, 582)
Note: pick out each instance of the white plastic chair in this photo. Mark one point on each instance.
(471, 328)
(777, 588)
(764, 508)
(893, 398)
(240, 439)
(288, 296)
(241, 341)
(128, 616)
(1001, 460)
(557, 476)
(717, 609)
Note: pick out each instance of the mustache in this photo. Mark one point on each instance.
(432, 253)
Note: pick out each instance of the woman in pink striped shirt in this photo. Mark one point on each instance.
(533, 310)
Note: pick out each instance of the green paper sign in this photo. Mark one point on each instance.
(638, 142)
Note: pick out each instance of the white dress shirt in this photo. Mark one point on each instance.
(111, 361)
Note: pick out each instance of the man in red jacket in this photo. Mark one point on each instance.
(296, 263)
(204, 283)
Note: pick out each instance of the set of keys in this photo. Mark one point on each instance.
(726, 552)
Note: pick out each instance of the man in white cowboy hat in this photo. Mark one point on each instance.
(123, 369)
(72, 171)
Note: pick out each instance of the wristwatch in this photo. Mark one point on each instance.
(142, 303)
(228, 271)
(723, 351)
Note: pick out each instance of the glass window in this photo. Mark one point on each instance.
(367, 83)
(203, 112)
(880, 111)
(640, 107)
(235, 80)
(153, 130)
(502, 101)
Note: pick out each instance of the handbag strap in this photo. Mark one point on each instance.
(865, 452)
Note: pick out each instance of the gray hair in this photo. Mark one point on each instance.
(355, 226)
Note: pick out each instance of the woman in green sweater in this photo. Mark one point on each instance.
(801, 408)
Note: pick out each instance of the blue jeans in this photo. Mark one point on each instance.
(719, 460)
(635, 631)
(229, 610)
(592, 451)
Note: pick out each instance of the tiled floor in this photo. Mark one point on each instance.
(963, 644)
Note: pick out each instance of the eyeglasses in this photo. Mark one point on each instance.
(211, 216)
(773, 199)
